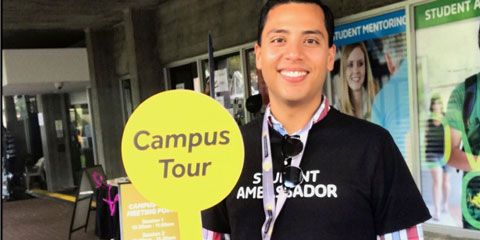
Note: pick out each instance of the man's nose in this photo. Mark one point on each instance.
(294, 51)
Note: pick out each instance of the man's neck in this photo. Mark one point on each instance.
(294, 116)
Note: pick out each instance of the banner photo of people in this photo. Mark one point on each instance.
(370, 75)
(447, 37)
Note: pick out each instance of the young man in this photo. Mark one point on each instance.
(311, 172)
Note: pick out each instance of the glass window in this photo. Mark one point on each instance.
(81, 140)
(127, 98)
(4, 117)
(258, 97)
(252, 72)
(449, 125)
(20, 107)
(184, 77)
(229, 84)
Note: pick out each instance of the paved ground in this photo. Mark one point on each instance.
(435, 236)
(41, 219)
(49, 219)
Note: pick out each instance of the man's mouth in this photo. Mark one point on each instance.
(293, 74)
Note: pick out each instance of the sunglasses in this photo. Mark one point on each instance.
(291, 147)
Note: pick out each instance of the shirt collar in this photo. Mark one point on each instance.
(319, 114)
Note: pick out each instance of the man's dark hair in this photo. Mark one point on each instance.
(329, 24)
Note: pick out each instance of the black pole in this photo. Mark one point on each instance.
(211, 65)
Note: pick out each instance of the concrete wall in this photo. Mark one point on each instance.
(182, 26)
(343, 8)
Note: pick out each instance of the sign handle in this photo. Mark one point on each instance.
(190, 225)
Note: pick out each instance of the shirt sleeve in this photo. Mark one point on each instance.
(216, 218)
(396, 201)
(210, 235)
(412, 233)
(455, 108)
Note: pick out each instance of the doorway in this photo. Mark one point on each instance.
(81, 140)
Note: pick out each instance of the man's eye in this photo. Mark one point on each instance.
(312, 41)
(278, 40)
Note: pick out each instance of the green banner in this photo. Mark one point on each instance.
(445, 11)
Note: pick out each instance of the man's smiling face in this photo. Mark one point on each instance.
(294, 55)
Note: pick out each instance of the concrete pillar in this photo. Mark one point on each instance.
(55, 141)
(145, 69)
(144, 72)
(106, 105)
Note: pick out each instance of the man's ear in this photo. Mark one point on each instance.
(258, 56)
(331, 57)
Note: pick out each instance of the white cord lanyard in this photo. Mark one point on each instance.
(271, 209)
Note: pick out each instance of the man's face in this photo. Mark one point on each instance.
(294, 55)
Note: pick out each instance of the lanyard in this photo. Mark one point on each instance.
(272, 209)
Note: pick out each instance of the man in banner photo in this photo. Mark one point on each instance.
(311, 172)
(463, 117)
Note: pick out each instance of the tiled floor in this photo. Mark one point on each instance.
(41, 219)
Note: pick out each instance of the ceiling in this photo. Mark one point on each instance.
(43, 88)
(59, 23)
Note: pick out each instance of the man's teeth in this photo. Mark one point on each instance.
(294, 73)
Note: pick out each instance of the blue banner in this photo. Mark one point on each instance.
(375, 27)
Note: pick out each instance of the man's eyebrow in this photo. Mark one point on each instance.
(317, 32)
(314, 32)
(277, 30)
(306, 32)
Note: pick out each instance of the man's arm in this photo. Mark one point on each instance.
(458, 158)
(412, 233)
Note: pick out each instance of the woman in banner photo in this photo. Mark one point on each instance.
(434, 152)
(358, 87)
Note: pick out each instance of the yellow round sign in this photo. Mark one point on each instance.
(182, 150)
